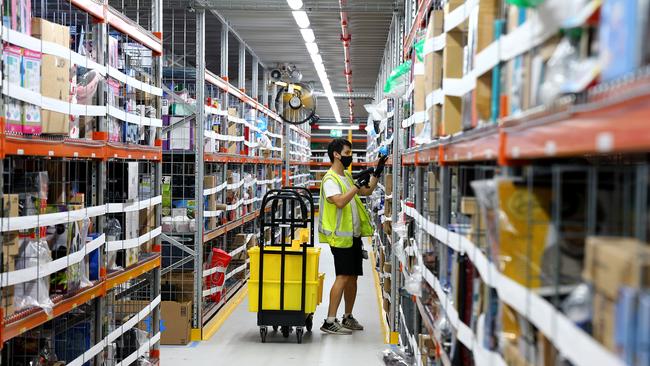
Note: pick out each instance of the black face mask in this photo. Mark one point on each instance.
(346, 161)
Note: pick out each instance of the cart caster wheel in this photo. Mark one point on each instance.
(275, 328)
(263, 332)
(309, 323)
(285, 331)
(299, 333)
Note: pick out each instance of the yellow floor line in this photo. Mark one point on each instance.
(213, 326)
(380, 297)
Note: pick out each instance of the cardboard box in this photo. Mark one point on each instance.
(55, 74)
(603, 323)
(468, 206)
(10, 205)
(388, 183)
(432, 199)
(147, 221)
(452, 116)
(433, 69)
(612, 263)
(233, 130)
(177, 318)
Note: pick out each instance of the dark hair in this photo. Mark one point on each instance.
(337, 146)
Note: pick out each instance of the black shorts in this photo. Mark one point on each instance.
(349, 261)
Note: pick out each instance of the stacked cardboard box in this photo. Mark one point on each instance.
(233, 130)
(55, 74)
(433, 71)
(618, 268)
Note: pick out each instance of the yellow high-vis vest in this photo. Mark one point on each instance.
(335, 224)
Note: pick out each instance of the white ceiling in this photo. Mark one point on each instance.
(268, 27)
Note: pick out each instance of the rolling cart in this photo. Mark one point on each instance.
(285, 286)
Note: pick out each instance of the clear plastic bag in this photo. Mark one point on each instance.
(113, 232)
(413, 283)
(425, 135)
(82, 269)
(33, 252)
(578, 306)
(396, 356)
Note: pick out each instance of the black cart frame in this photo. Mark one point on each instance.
(278, 212)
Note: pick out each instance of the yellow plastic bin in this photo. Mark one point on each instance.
(292, 281)
(321, 284)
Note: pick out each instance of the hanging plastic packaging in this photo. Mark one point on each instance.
(396, 356)
(413, 283)
(419, 49)
(398, 80)
(36, 293)
(79, 274)
(425, 136)
(113, 233)
(525, 3)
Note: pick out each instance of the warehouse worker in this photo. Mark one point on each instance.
(343, 222)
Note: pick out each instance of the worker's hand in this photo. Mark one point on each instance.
(363, 178)
(380, 165)
(368, 171)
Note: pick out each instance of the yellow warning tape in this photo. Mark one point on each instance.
(213, 325)
(380, 303)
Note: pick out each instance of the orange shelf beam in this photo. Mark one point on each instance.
(22, 322)
(239, 159)
(131, 151)
(118, 278)
(419, 20)
(230, 226)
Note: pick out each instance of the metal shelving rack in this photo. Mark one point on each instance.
(66, 179)
(233, 169)
(575, 169)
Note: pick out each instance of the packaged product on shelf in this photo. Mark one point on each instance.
(433, 70)
(147, 221)
(113, 233)
(10, 250)
(12, 58)
(32, 82)
(35, 293)
(625, 324)
(17, 15)
(55, 74)
(624, 26)
(612, 263)
(452, 107)
(181, 137)
(643, 331)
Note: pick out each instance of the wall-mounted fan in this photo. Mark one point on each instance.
(296, 103)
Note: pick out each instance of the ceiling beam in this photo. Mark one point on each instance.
(280, 6)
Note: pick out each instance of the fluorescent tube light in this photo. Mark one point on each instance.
(341, 127)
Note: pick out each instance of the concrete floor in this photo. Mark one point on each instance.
(237, 342)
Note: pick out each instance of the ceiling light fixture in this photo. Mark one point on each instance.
(342, 127)
(295, 4)
(301, 18)
(308, 35)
